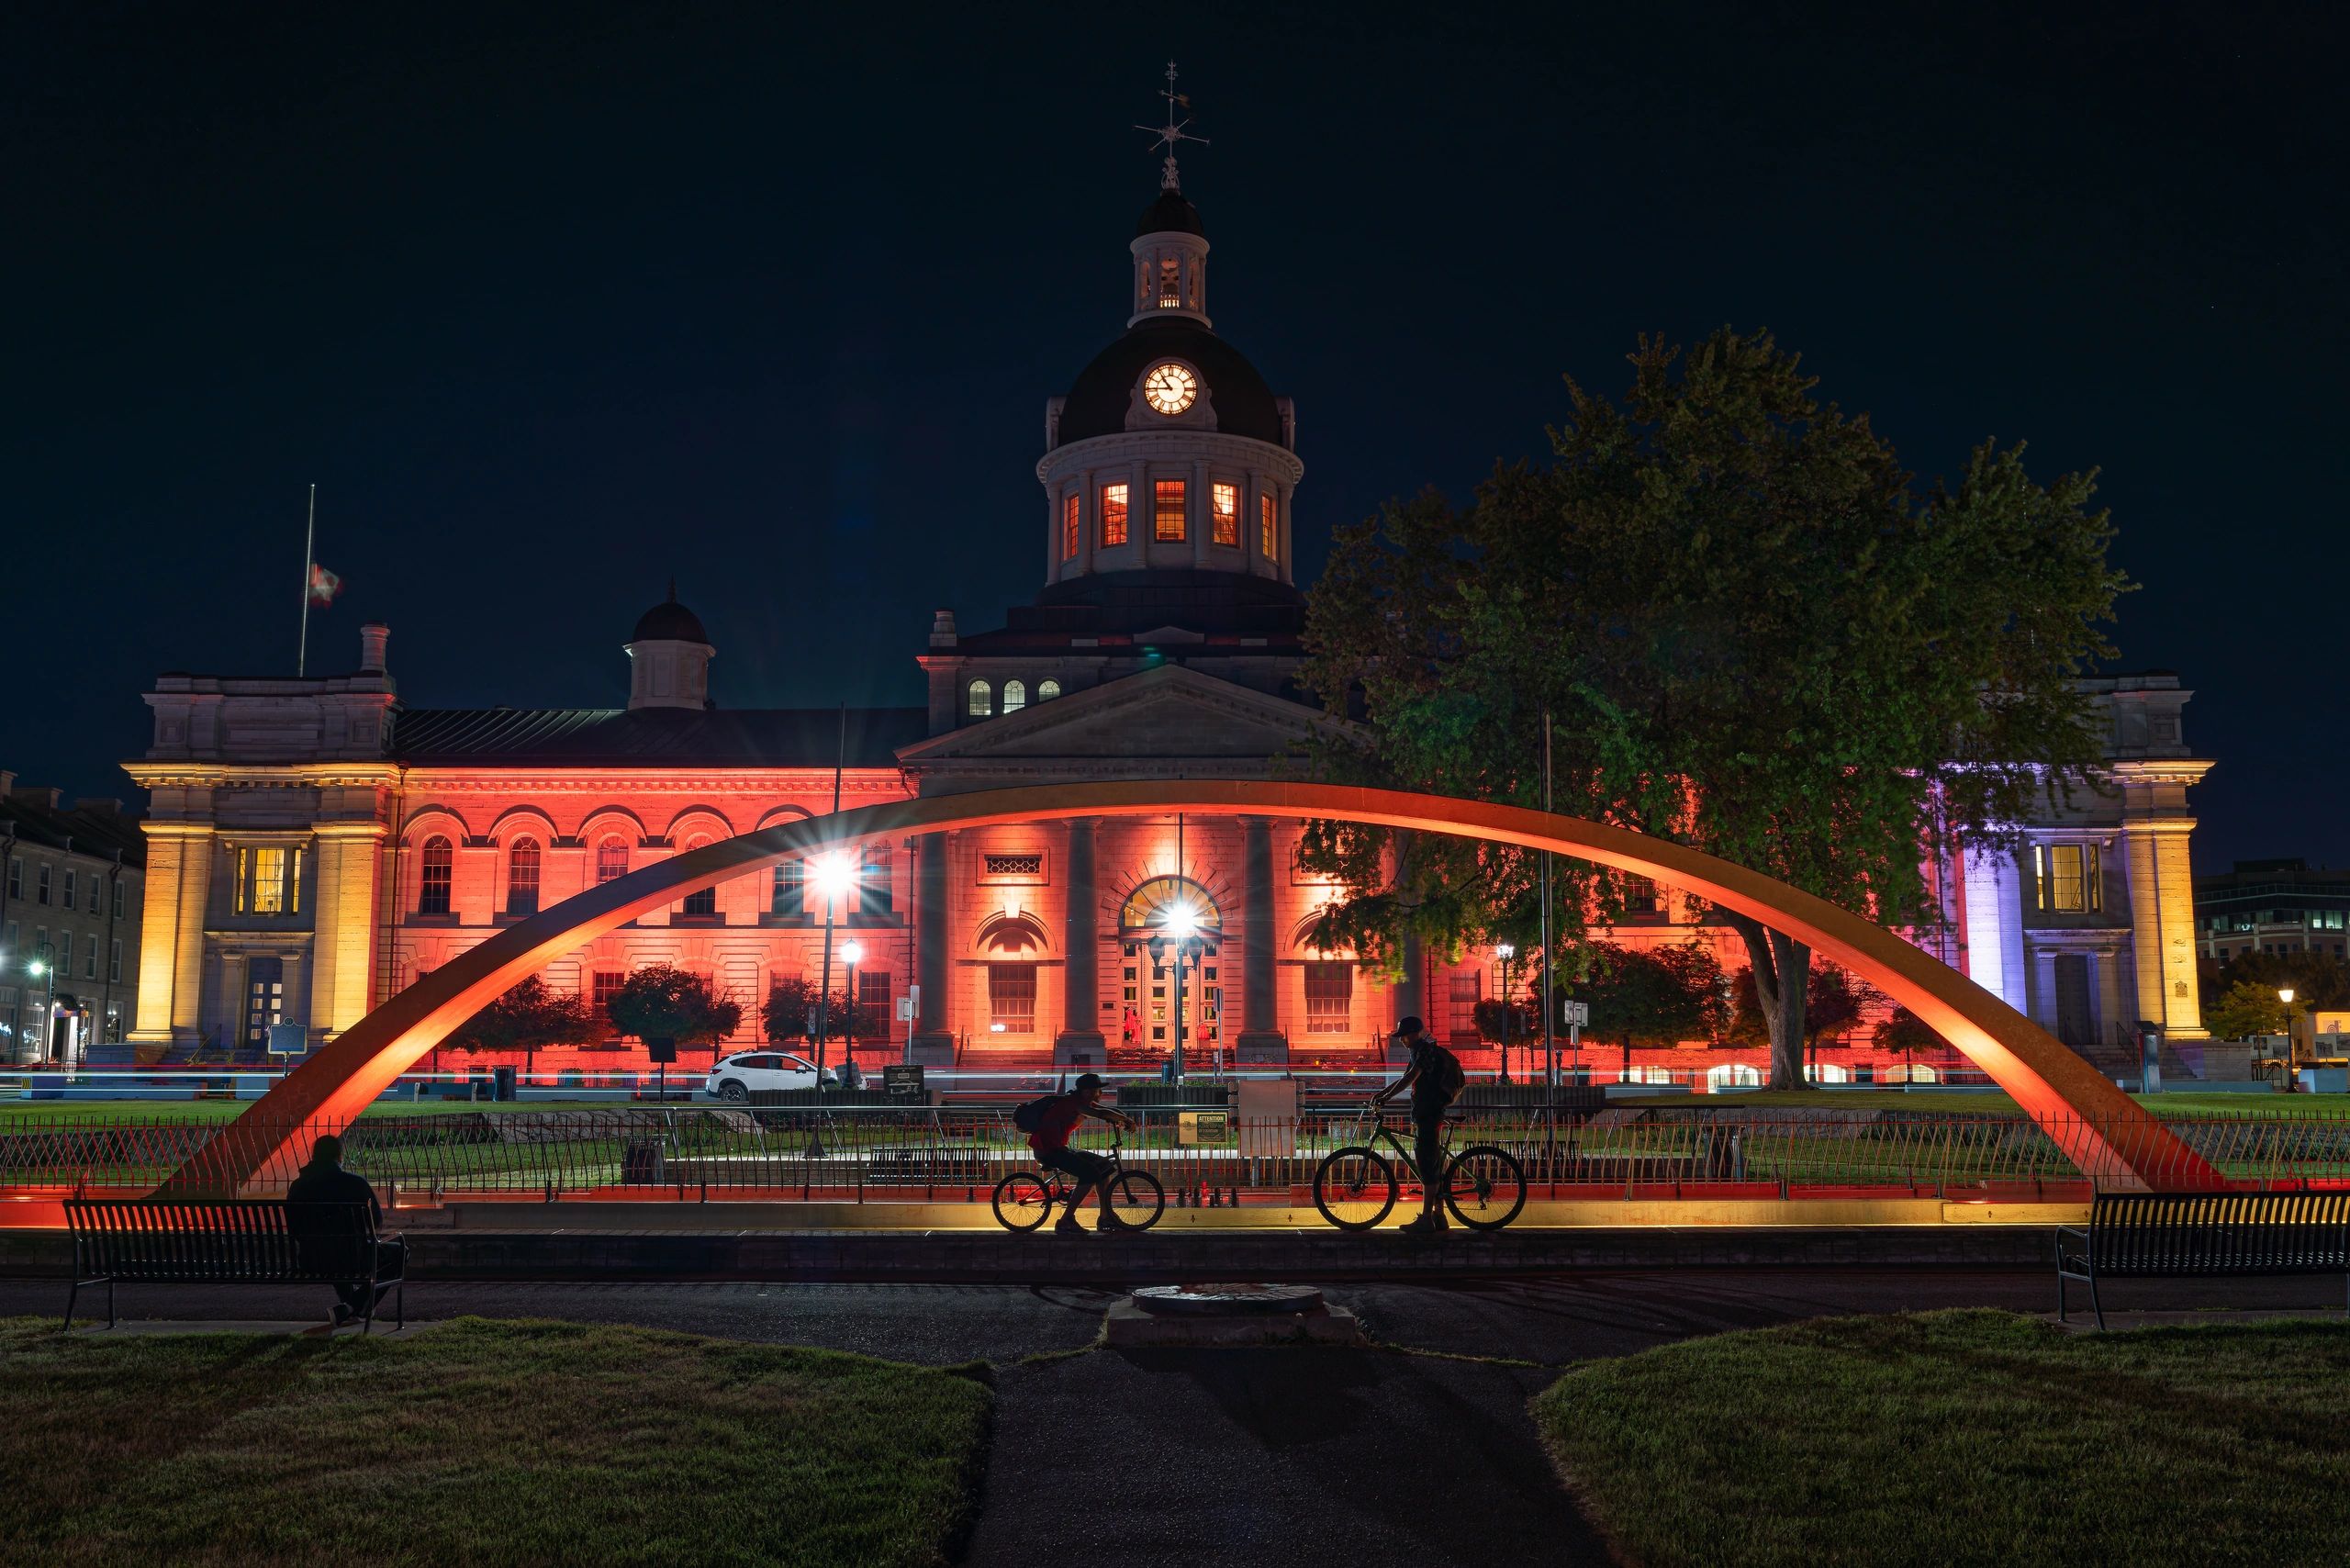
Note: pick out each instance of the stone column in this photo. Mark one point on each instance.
(1080, 1041)
(934, 1040)
(171, 934)
(343, 924)
(1261, 1038)
(2162, 920)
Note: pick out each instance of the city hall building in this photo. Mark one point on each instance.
(315, 844)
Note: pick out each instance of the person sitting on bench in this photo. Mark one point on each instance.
(326, 1240)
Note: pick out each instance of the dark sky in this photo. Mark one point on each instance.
(553, 307)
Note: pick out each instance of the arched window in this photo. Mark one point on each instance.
(522, 876)
(982, 700)
(704, 903)
(611, 860)
(1047, 689)
(1015, 696)
(439, 869)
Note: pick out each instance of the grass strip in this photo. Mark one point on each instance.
(483, 1442)
(1970, 1437)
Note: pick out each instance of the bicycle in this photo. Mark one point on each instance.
(1023, 1199)
(1355, 1187)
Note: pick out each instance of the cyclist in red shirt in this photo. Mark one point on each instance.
(1050, 1141)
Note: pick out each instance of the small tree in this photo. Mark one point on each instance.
(1651, 996)
(661, 1001)
(789, 1010)
(1504, 1022)
(527, 1018)
(1905, 1032)
(2250, 1007)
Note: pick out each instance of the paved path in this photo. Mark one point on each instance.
(1267, 1458)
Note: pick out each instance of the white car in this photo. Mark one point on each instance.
(749, 1072)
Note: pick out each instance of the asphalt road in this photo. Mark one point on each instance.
(1405, 1454)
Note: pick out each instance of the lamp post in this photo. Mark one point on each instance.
(834, 876)
(851, 951)
(1506, 951)
(1179, 942)
(43, 966)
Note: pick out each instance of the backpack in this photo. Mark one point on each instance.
(1030, 1117)
(1444, 1074)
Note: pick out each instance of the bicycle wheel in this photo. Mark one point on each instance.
(1354, 1188)
(1484, 1187)
(1137, 1198)
(1022, 1201)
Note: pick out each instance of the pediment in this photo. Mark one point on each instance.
(1168, 714)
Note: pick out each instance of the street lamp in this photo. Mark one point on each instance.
(1182, 933)
(40, 967)
(851, 951)
(1506, 951)
(835, 875)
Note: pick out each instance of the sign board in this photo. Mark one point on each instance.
(660, 1049)
(1574, 1015)
(288, 1040)
(905, 1010)
(903, 1079)
(1201, 1127)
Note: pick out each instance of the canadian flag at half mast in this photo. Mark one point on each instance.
(324, 585)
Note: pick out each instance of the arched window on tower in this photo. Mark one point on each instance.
(437, 870)
(522, 876)
(1171, 284)
(1047, 689)
(981, 700)
(1015, 696)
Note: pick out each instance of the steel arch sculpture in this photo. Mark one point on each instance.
(2107, 1136)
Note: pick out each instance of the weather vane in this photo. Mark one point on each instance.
(1172, 131)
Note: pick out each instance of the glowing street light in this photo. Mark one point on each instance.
(1506, 951)
(836, 879)
(852, 951)
(1182, 932)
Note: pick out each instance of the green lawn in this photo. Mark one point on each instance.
(1969, 1436)
(481, 1442)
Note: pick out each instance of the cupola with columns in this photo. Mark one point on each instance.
(668, 657)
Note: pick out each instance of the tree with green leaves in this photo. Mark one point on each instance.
(1902, 1030)
(1650, 996)
(1832, 1001)
(527, 1018)
(662, 1002)
(789, 1011)
(2316, 980)
(1506, 1022)
(1744, 627)
(2247, 1008)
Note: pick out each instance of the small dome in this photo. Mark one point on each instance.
(1170, 213)
(1097, 403)
(669, 621)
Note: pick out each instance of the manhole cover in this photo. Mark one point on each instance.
(1225, 1300)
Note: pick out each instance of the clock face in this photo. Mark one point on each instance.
(1169, 389)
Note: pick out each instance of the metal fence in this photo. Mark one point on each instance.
(889, 1154)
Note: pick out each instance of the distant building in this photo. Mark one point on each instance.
(70, 903)
(2273, 906)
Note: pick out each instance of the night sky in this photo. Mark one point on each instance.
(552, 308)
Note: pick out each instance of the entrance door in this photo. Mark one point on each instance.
(2075, 1024)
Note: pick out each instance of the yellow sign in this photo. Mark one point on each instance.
(1203, 1126)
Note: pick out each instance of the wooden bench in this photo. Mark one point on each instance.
(2183, 1235)
(231, 1241)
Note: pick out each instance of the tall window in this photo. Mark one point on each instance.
(65, 952)
(16, 876)
(437, 869)
(1267, 527)
(1011, 999)
(2068, 876)
(119, 899)
(982, 700)
(269, 881)
(1227, 515)
(789, 894)
(40, 887)
(73, 887)
(264, 999)
(1069, 507)
(1114, 515)
(874, 893)
(1167, 511)
(1329, 996)
(1015, 696)
(874, 994)
(1047, 689)
(1171, 284)
(114, 962)
(90, 959)
(98, 894)
(611, 860)
(702, 905)
(522, 876)
(602, 986)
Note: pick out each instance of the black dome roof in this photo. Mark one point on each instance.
(1171, 213)
(1097, 405)
(669, 622)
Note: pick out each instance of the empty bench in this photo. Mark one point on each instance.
(2203, 1234)
(224, 1241)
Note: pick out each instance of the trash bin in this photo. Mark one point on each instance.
(641, 1162)
(501, 1083)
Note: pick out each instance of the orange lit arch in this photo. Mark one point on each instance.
(2104, 1133)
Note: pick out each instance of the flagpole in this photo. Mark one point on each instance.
(309, 535)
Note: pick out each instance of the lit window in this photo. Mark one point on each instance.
(1329, 997)
(1011, 999)
(1114, 515)
(611, 860)
(522, 876)
(1228, 515)
(1069, 526)
(2067, 877)
(269, 881)
(438, 869)
(1267, 527)
(981, 702)
(789, 894)
(1166, 513)
(1171, 284)
(1015, 696)
(1047, 689)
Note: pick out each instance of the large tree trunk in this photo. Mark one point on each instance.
(1781, 972)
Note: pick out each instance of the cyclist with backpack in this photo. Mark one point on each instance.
(1048, 1122)
(1434, 1079)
